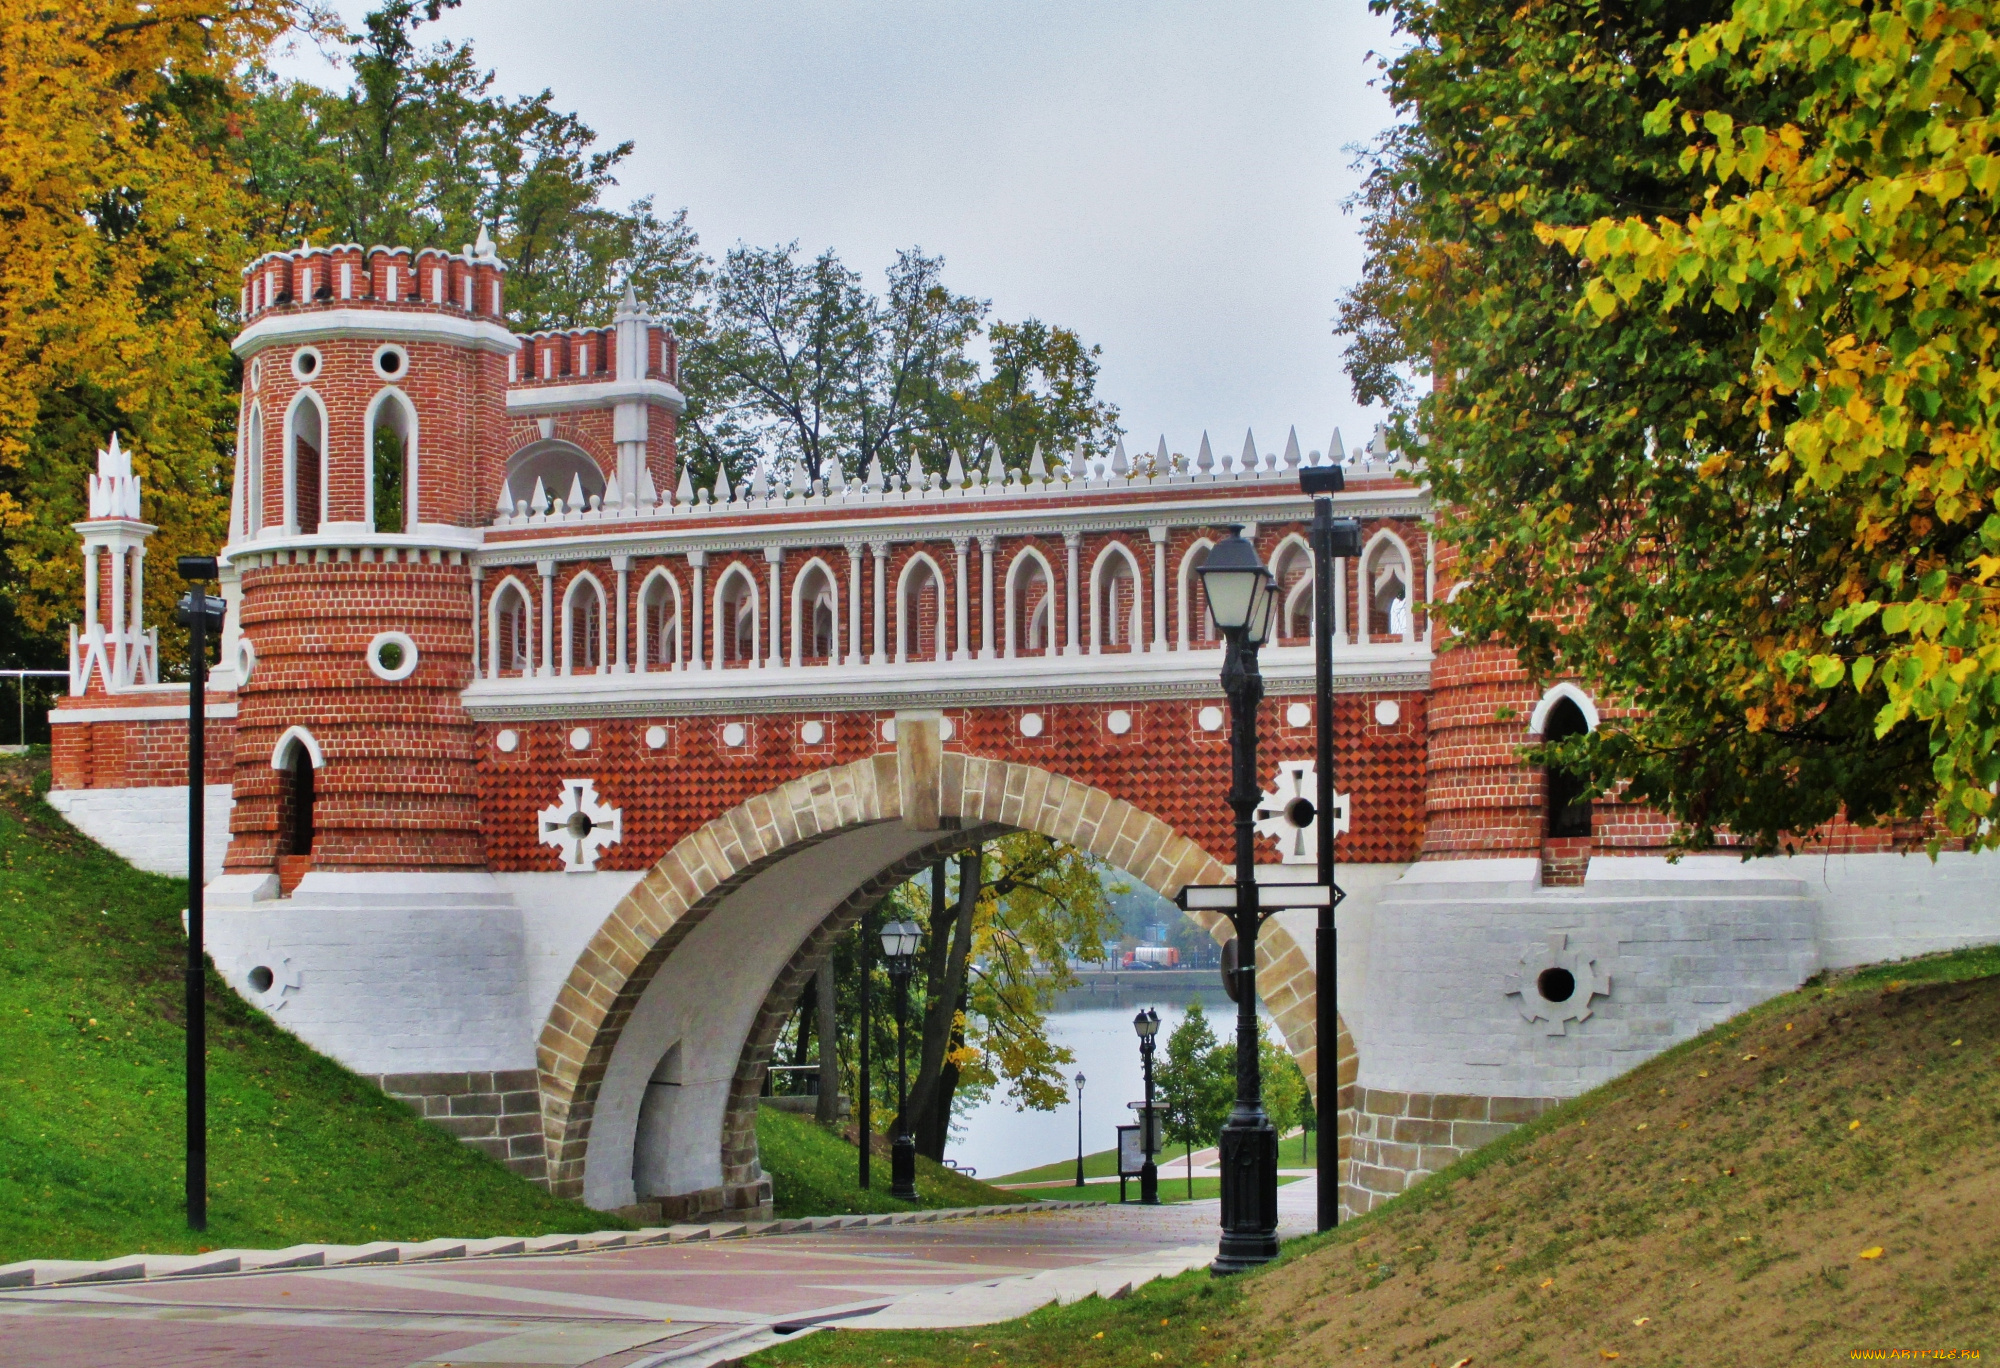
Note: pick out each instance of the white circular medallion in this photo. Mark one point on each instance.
(1299, 715)
(579, 739)
(1388, 713)
(508, 741)
(1031, 724)
(391, 361)
(656, 738)
(1118, 721)
(246, 660)
(889, 730)
(392, 656)
(306, 364)
(734, 734)
(1210, 718)
(256, 372)
(812, 733)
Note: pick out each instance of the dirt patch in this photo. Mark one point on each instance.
(1816, 1178)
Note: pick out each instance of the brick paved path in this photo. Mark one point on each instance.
(677, 1306)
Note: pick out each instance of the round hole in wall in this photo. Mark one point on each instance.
(1210, 718)
(261, 978)
(946, 729)
(1388, 713)
(1556, 985)
(246, 660)
(256, 372)
(508, 741)
(889, 730)
(812, 733)
(1118, 721)
(734, 733)
(579, 824)
(1031, 724)
(392, 656)
(391, 361)
(1300, 812)
(656, 738)
(306, 363)
(1299, 715)
(579, 739)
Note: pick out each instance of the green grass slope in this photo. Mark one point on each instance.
(91, 1060)
(1814, 1181)
(815, 1171)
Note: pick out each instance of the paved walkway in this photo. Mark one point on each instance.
(655, 1306)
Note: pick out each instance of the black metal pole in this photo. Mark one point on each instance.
(903, 1153)
(1326, 944)
(1079, 1130)
(865, 1089)
(1149, 1172)
(197, 570)
(1249, 1140)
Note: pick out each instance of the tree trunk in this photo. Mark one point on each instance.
(808, 1011)
(828, 1109)
(930, 1104)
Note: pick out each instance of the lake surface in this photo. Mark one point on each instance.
(997, 1139)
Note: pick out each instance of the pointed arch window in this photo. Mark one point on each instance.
(392, 462)
(513, 631)
(660, 624)
(584, 643)
(1030, 616)
(1568, 810)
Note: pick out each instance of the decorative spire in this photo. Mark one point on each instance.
(875, 472)
(482, 246)
(614, 497)
(648, 496)
(628, 303)
(839, 481)
(684, 491)
(760, 483)
(1038, 469)
(575, 503)
(506, 504)
(1336, 450)
(1249, 460)
(538, 502)
(996, 473)
(723, 492)
(1163, 461)
(955, 476)
(1293, 457)
(1204, 460)
(1121, 464)
(114, 489)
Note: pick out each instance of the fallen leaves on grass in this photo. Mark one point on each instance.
(1872, 1252)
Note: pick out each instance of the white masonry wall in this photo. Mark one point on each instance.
(149, 826)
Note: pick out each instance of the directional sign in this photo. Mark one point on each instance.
(1269, 897)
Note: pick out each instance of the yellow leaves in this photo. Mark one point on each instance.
(1607, 1353)
(1641, 1320)
(1872, 1252)
(1098, 1335)
(1854, 1125)
(1547, 1283)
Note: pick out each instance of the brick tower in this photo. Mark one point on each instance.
(373, 378)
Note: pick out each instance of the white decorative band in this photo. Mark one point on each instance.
(388, 325)
(596, 394)
(59, 716)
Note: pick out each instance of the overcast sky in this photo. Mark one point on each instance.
(1165, 178)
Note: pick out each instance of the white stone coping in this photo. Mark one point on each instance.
(33, 1273)
(594, 394)
(386, 325)
(164, 712)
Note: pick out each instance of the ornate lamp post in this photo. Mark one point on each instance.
(199, 611)
(899, 948)
(1147, 1024)
(1331, 537)
(1079, 1128)
(1241, 599)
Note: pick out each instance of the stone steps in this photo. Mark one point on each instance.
(32, 1273)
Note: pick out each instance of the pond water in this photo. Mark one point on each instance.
(995, 1138)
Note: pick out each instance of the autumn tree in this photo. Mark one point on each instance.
(1613, 479)
(124, 230)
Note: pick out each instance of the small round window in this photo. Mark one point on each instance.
(391, 361)
(306, 362)
(256, 372)
(392, 656)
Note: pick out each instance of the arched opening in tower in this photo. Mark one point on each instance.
(1568, 810)
(295, 803)
(390, 466)
(307, 442)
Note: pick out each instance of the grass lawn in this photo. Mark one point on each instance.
(815, 1172)
(91, 1055)
(1172, 1189)
(1809, 1181)
(1104, 1163)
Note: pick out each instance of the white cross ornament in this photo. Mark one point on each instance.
(1285, 813)
(580, 826)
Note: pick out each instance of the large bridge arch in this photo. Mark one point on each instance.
(703, 957)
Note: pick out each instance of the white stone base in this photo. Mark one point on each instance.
(149, 826)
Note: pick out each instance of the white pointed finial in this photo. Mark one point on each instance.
(684, 491)
(1293, 458)
(874, 480)
(575, 502)
(724, 493)
(506, 503)
(628, 303)
(648, 496)
(1204, 459)
(1378, 443)
(914, 475)
(538, 502)
(1249, 459)
(613, 495)
(996, 473)
(839, 478)
(1336, 450)
(482, 246)
(955, 474)
(760, 483)
(1038, 469)
(1121, 464)
(1163, 461)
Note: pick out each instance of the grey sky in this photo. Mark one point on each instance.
(1165, 178)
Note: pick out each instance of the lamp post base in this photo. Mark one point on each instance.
(903, 1169)
(1249, 1195)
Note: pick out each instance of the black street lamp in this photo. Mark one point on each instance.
(1331, 537)
(1241, 599)
(899, 949)
(1079, 1128)
(198, 611)
(1147, 1024)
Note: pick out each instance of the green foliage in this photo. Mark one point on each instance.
(815, 1172)
(1197, 1083)
(1608, 477)
(91, 1051)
